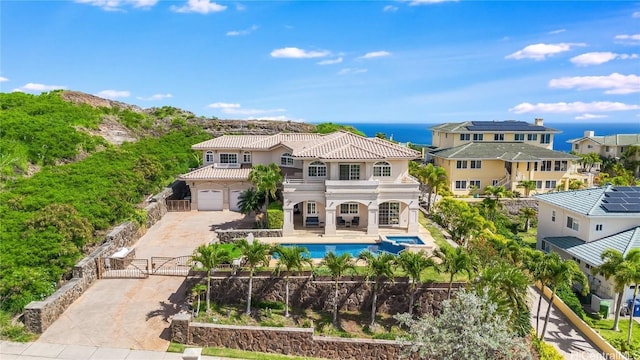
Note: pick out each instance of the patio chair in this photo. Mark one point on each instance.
(355, 221)
(340, 221)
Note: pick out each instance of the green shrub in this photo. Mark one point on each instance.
(546, 351)
(571, 300)
(273, 305)
(275, 216)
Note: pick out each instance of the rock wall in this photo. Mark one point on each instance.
(39, 315)
(229, 236)
(317, 293)
(289, 341)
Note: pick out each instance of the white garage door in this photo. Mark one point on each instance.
(210, 200)
(233, 200)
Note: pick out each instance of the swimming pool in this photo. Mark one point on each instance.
(404, 239)
(318, 251)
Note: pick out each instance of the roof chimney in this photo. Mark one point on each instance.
(538, 121)
(589, 133)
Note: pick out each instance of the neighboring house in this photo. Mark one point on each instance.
(581, 224)
(476, 154)
(612, 146)
(338, 180)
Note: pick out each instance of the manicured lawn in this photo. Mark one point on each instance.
(237, 354)
(235, 253)
(529, 237)
(435, 233)
(604, 328)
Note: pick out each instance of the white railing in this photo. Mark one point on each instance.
(226, 165)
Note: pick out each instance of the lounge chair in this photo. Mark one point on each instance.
(355, 221)
(312, 221)
(340, 221)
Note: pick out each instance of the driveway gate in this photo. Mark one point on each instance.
(171, 266)
(130, 269)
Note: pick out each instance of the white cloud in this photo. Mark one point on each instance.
(590, 116)
(296, 53)
(375, 54)
(276, 118)
(113, 94)
(559, 31)
(614, 83)
(242, 32)
(156, 97)
(573, 107)
(636, 14)
(390, 8)
(330, 62)
(428, 2)
(632, 39)
(117, 5)
(347, 71)
(3, 79)
(199, 6)
(33, 87)
(597, 58)
(236, 109)
(542, 51)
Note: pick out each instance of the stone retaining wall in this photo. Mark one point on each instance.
(354, 294)
(39, 315)
(289, 341)
(229, 236)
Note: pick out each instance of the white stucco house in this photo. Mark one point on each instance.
(582, 224)
(332, 181)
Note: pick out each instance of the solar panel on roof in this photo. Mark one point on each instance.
(614, 207)
(615, 195)
(615, 200)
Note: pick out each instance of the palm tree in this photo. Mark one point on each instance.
(413, 264)
(379, 267)
(630, 272)
(453, 261)
(254, 253)
(563, 272)
(631, 159)
(197, 292)
(528, 186)
(611, 265)
(497, 191)
(291, 258)
(436, 177)
(250, 201)
(540, 266)
(528, 214)
(338, 266)
(209, 257)
(266, 179)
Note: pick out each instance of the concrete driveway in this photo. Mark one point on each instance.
(134, 313)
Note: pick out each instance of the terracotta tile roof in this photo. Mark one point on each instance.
(210, 172)
(337, 145)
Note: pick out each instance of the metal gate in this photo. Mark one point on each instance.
(130, 269)
(171, 266)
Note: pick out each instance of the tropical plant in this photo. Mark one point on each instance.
(254, 253)
(528, 214)
(436, 177)
(266, 179)
(209, 257)
(379, 267)
(528, 186)
(468, 327)
(413, 264)
(629, 272)
(251, 201)
(631, 159)
(453, 261)
(290, 258)
(197, 291)
(612, 261)
(338, 266)
(496, 191)
(563, 272)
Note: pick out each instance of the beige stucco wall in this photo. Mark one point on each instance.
(225, 186)
(446, 140)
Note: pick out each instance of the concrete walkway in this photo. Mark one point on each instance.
(560, 332)
(47, 351)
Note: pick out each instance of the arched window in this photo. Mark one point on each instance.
(382, 168)
(286, 159)
(317, 169)
(208, 157)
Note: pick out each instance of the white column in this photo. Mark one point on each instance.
(413, 223)
(330, 222)
(372, 223)
(287, 227)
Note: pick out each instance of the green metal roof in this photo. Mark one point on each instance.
(507, 151)
(585, 201)
(613, 140)
(590, 252)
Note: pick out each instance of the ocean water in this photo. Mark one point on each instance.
(420, 133)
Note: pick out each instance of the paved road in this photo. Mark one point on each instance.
(561, 333)
(134, 313)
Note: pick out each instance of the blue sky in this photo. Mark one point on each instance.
(342, 61)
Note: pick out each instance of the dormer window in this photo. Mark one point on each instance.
(246, 157)
(286, 159)
(208, 157)
(317, 169)
(382, 168)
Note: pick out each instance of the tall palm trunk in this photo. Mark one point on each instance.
(450, 286)
(412, 296)
(208, 290)
(429, 199)
(249, 292)
(286, 291)
(266, 210)
(335, 306)
(546, 317)
(633, 305)
(616, 320)
(373, 305)
(538, 313)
